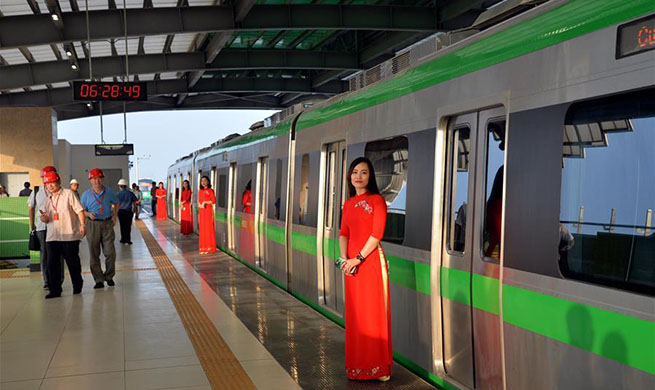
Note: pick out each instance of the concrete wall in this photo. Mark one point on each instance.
(28, 138)
(82, 159)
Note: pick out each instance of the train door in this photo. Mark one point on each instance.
(231, 206)
(260, 212)
(333, 198)
(471, 347)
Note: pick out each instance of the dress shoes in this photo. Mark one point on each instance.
(52, 295)
(99, 285)
(384, 378)
(111, 283)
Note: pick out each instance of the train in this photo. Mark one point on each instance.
(518, 166)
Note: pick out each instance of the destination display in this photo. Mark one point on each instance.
(636, 37)
(109, 91)
(114, 150)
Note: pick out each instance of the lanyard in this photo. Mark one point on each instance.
(99, 201)
(55, 203)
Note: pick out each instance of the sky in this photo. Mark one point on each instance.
(163, 135)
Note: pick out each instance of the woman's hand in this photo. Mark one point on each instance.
(348, 265)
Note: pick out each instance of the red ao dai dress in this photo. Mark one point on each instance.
(368, 317)
(162, 211)
(186, 218)
(207, 240)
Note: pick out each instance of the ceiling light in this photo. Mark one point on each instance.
(74, 66)
(55, 17)
(89, 105)
(69, 53)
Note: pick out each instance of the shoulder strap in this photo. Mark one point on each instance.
(36, 192)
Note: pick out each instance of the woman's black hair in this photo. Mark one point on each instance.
(249, 185)
(188, 185)
(209, 182)
(161, 182)
(372, 186)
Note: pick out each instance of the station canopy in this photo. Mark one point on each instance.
(207, 54)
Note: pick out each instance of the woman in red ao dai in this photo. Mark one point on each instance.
(368, 317)
(206, 202)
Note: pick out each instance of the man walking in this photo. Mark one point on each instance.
(64, 216)
(101, 218)
(126, 200)
(35, 202)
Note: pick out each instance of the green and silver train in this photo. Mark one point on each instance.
(519, 170)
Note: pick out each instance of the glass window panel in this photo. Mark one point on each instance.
(460, 153)
(494, 179)
(608, 197)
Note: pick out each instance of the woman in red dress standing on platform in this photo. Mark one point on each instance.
(246, 198)
(186, 218)
(368, 317)
(162, 211)
(206, 201)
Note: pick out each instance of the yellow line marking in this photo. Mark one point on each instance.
(221, 366)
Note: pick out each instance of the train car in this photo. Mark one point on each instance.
(519, 171)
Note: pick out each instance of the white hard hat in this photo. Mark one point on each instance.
(74, 182)
(122, 182)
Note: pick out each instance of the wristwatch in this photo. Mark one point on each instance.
(360, 257)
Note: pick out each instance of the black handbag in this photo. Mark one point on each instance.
(35, 244)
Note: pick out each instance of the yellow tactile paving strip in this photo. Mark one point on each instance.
(221, 366)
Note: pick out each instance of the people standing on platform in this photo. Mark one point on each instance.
(126, 201)
(26, 190)
(368, 317)
(246, 198)
(74, 186)
(3, 192)
(64, 216)
(186, 217)
(139, 200)
(206, 202)
(162, 210)
(101, 209)
(153, 199)
(35, 202)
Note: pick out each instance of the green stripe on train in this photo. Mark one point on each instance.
(568, 21)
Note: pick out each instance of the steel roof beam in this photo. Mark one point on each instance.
(27, 30)
(61, 96)
(37, 73)
(169, 103)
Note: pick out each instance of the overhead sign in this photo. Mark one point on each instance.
(635, 37)
(109, 91)
(115, 150)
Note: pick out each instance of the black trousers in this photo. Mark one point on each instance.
(70, 251)
(153, 206)
(125, 219)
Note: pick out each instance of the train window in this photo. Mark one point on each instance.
(494, 179)
(390, 158)
(608, 192)
(221, 190)
(459, 150)
(274, 212)
(303, 198)
(246, 177)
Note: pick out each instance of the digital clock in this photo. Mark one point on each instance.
(109, 91)
(635, 37)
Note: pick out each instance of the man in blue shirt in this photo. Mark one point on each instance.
(126, 201)
(101, 209)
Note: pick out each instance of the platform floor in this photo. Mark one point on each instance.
(244, 333)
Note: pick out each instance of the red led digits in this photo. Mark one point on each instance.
(84, 90)
(105, 91)
(136, 90)
(109, 91)
(93, 92)
(115, 91)
(646, 36)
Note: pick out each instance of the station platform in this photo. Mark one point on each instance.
(174, 320)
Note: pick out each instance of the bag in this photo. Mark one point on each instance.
(35, 244)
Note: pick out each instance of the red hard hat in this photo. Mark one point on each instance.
(46, 169)
(95, 172)
(50, 177)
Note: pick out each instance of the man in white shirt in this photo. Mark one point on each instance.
(64, 216)
(36, 200)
